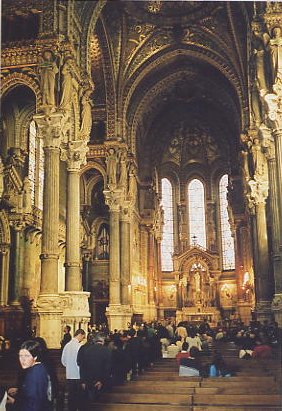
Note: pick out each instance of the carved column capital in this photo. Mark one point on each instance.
(74, 153)
(113, 198)
(258, 191)
(49, 129)
(274, 109)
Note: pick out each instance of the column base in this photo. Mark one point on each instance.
(47, 314)
(118, 316)
(264, 311)
(277, 309)
(76, 312)
(244, 311)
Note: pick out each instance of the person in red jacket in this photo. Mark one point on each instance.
(183, 353)
(262, 350)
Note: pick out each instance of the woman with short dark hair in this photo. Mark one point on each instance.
(32, 394)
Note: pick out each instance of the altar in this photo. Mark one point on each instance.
(198, 314)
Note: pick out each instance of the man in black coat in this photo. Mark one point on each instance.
(94, 360)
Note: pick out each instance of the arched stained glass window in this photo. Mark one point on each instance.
(197, 213)
(36, 167)
(227, 241)
(167, 241)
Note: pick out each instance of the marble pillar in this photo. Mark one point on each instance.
(263, 283)
(4, 273)
(125, 257)
(152, 312)
(118, 314)
(17, 270)
(49, 306)
(76, 311)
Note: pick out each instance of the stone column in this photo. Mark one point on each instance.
(125, 264)
(4, 273)
(259, 193)
(115, 311)
(76, 310)
(125, 257)
(274, 144)
(17, 264)
(275, 193)
(49, 305)
(151, 274)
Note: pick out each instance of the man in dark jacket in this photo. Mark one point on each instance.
(94, 360)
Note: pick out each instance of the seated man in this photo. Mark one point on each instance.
(191, 367)
(262, 350)
(183, 353)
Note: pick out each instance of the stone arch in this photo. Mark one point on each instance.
(18, 79)
(164, 58)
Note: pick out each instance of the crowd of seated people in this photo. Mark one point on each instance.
(133, 350)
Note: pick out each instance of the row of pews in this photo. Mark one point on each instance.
(256, 386)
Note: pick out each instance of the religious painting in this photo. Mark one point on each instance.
(228, 295)
(169, 295)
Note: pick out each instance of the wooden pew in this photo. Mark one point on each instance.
(140, 407)
(145, 398)
(238, 400)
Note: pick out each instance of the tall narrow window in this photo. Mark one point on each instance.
(197, 213)
(227, 241)
(32, 159)
(36, 167)
(167, 242)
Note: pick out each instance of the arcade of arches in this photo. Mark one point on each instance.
(141, 163)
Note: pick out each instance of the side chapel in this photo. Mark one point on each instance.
(140, 163)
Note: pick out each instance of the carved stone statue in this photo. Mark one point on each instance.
(86, 115)
(245, 164)
(259, 48)
(275, 46)
(123, 171)
(1, 177)
(27, 195)
(132, 190)
(67, 87)
(259, 160)
(48, 70)
(111, 162)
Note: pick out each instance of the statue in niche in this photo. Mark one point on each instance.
(212, 149)
(259, 47)
(111, 162)
(67, 87)
(48, 70)
(86, 114)
(27, 195)
(1, 177)
(122, 182)
(245, 164)
(132, 190)
(259, 160)
(275, 44)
